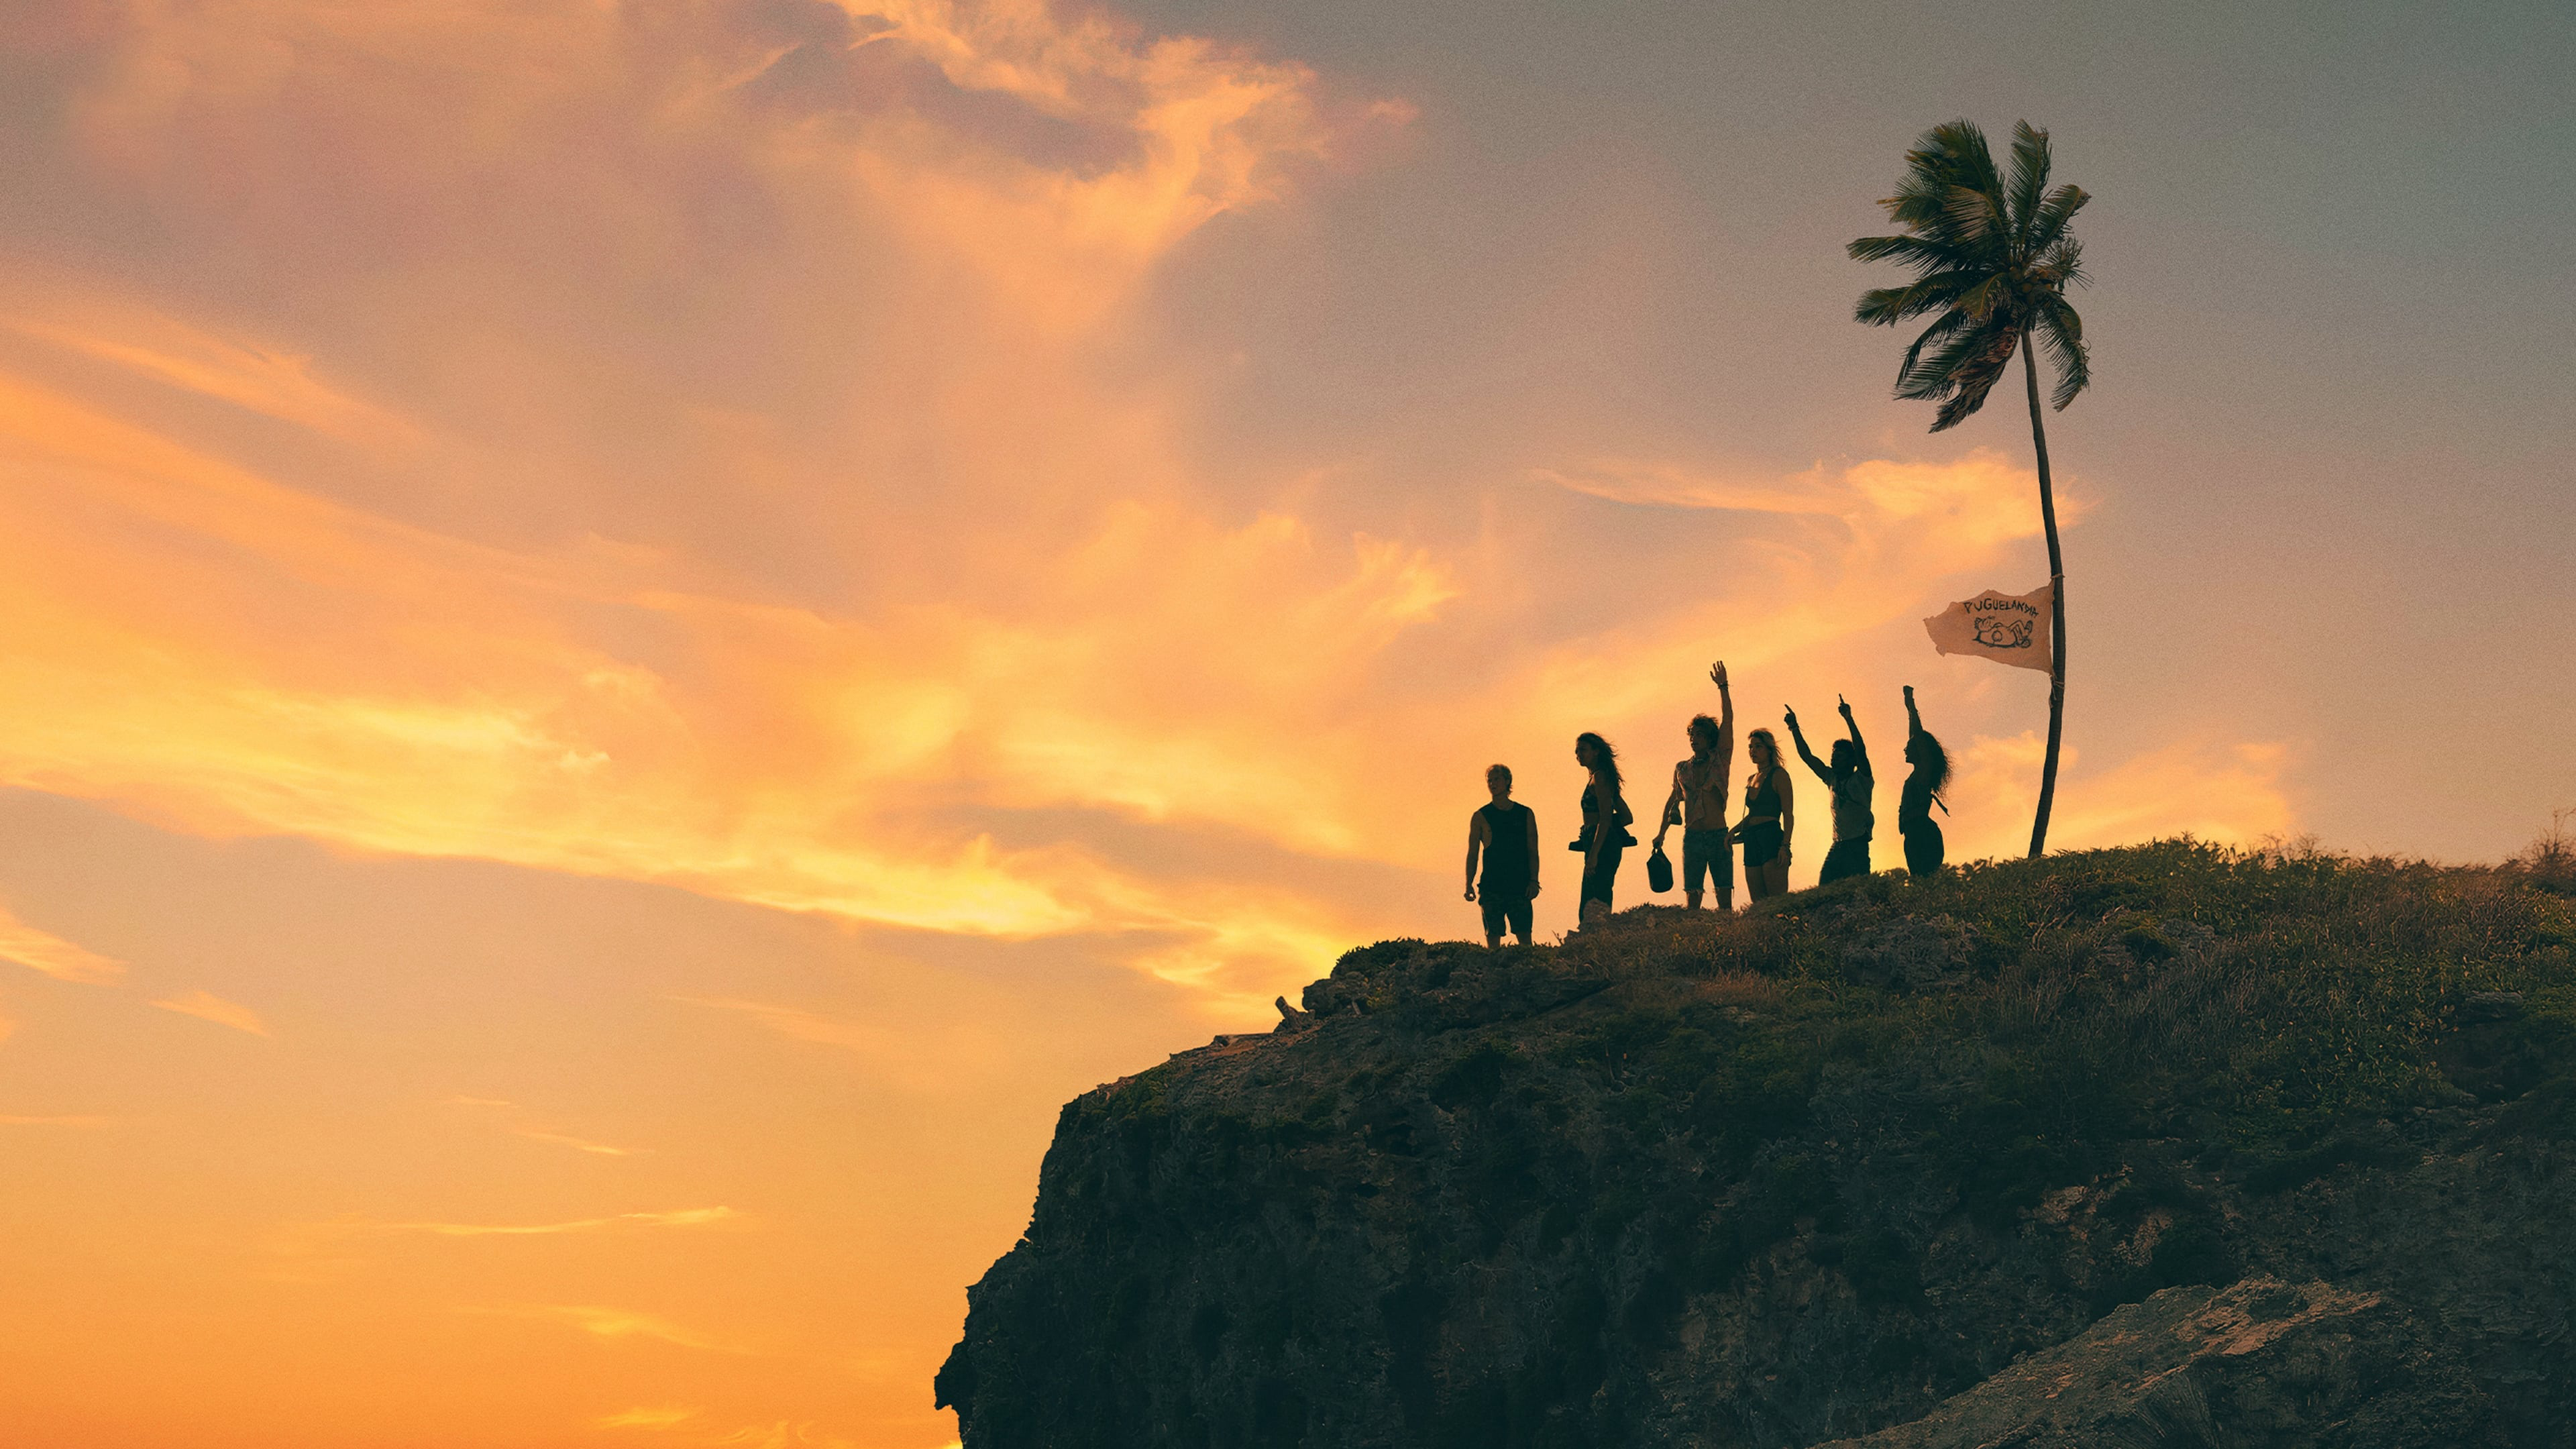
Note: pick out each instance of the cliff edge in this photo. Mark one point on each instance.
(2168, 1146)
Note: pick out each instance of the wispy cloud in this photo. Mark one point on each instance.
(272, 383)
(781, 1435)
(647, 1418)
(51, 954)
(616, 1323)
(577, 1144)
(206, 1006)
(680, 1218)
(2229, 792)
(518, 1127)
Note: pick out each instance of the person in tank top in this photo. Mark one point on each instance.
(1924, 851)
(1849, 782)
(1770, 817)
(1505, 833)
(1698, 801)
(1606, 818)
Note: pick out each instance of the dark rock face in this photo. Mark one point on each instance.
(1794, 1180)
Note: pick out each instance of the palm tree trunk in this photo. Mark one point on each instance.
(2057, 606)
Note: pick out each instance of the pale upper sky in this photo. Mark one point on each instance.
(641, 634)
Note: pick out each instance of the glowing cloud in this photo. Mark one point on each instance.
(619, 1323)
(647, 1418)
(539, 1134)
(51, 954)
(206, 1006)
(680, 1218)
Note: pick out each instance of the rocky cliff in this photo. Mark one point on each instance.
(2163, 1147)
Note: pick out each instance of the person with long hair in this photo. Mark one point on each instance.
(1770, 815)
(1505, 834)
(1605, 823)
(1924, 851)
(1849, 783)
(1698, 801)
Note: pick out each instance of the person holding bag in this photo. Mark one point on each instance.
(1605, 824)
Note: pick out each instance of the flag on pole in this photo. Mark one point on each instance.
(2005, 628)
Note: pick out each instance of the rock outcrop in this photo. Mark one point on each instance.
(2165, 1147)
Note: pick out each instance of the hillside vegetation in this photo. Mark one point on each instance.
(1834, 1166)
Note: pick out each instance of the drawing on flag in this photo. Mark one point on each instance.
(2006, 628)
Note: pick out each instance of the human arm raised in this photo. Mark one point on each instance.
(1799, 737)
(1858, 747)
(1913, 718)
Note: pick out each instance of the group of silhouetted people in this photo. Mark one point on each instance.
(1503, 835)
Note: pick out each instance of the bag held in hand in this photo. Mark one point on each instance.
(1659, 871)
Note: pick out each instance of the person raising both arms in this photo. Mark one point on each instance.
(1848, 780)
(1605, 823)
(1698, 801)
(1770, 814)
(1914, 823)
(1506, 834)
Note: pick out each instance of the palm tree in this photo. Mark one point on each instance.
(1992, 255)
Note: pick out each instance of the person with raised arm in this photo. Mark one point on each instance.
(1770, 815)
(1505, 833)
(1698, 801)
(1924, 851)
(1848, 780)
(1605, 823)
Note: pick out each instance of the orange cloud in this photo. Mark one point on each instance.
(619, 1323)
(864, 568)
(51, 954)
(679, 1218)
(538, 1134)
(2222, 791)
(206, 1006)
(643, 1417)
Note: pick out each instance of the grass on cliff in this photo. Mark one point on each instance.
(2023, 1017)
(2176, 989)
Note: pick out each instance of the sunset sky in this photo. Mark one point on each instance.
(638, 634)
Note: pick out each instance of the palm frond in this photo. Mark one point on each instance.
(1920, 252)
(1956, 362)
(2054, 214)
(2061, 331)
(1948, 323)
(1976, 377)
(1971, 218)
(2061, 267)
(2029, 179)
(1951, 154)
(1887, 306)
(1981, 300)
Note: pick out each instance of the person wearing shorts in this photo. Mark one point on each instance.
(1504, 833)
(1698, 801)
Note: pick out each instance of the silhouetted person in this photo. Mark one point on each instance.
(1506, 834)
(1922, 834)
(1770, 815)
(1848, 780)
(1698, 801)
(1605, 823)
